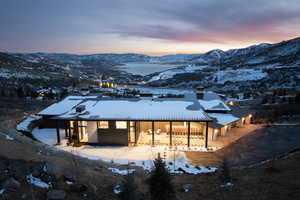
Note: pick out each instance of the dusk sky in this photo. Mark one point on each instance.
(138, 26)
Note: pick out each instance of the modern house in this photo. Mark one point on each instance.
(137, 121)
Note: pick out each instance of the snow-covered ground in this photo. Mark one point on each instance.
(172, 72)
(4, 73)
(141, 156)
(37, 182)
(239, 75)
(47, 135)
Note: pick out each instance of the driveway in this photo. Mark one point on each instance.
(257, 146)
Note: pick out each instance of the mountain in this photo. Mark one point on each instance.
(252, 67)
(216, 67)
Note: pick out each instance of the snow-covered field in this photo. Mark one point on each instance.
(141, 156)
(172, 72)
(9, 74)
(239, 75)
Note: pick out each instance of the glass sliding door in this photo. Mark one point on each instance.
(132, 132)
(82, 132)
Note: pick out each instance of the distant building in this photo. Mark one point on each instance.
(105, 83)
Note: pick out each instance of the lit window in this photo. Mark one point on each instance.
(121, 124)
(103, 124)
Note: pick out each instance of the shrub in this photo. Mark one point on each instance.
(160, 182)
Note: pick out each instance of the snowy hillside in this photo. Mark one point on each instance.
(239, 75)
(172, 72)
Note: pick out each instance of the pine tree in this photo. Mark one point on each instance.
(225, 176)
(129, 189)
(160, 182)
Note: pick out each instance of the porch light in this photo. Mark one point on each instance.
(216, 131)
(250, 116)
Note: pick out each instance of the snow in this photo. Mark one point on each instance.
(4, 73)
(7, 137)
(64, 106)
(239, 75)
(227, 185)
(214, 105)
(69, 182)
(172, 72)
(121, 171)
(47, 135)
(223, 119)
(140, 110)
(37, 182)
(2, 191)
(117, 189)
(161, 91)
(141, 156)
(24, 125)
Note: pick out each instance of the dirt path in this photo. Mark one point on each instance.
(260, 145)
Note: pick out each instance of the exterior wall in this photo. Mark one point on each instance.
(248, 119)
(92, 132)
(211, 135)
(241, 122)
(113, 136)
(223, 131)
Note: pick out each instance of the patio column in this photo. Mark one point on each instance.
(170, 123)
(66, 133)
(206, 135)
(135, 133)
(57, 133)
(189, 134)
(152, 133)
(70, 132)
(128, 133)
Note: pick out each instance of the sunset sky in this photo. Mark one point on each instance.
(153, 27)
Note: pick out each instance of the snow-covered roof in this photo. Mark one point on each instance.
(138, 109)
(223, 119)
(64, 106)
(214, 105)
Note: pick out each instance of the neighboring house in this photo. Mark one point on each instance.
(137, 121)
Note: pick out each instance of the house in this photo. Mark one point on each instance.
(137, 121)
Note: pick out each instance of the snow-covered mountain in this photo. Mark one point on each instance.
(254, 64)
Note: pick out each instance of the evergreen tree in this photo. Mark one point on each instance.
(160, 182)
(3, 94)
(225, 176)
(129, 189)
(20, 92)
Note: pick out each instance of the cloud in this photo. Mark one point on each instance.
(35, 24)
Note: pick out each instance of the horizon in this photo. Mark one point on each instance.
(147, 54)
(150, 28)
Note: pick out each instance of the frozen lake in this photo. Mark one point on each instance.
(145, 68)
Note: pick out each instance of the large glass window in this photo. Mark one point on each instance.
(103, 124)
(121, 125)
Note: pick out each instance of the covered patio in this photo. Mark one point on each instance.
(172, 133)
